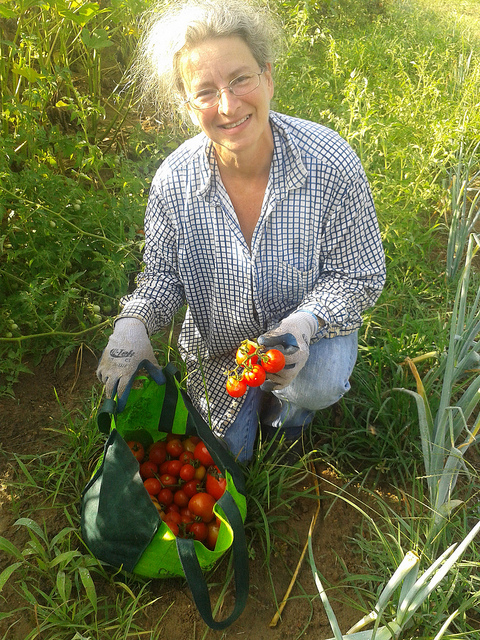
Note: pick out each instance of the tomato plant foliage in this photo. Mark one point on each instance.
(74, 176)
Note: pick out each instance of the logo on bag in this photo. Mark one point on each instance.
(121, 353)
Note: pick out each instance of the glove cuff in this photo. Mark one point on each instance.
(131, 329)
(308, 320)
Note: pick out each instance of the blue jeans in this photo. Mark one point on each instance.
(322, 382)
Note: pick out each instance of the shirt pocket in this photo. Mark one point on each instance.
(286, 286)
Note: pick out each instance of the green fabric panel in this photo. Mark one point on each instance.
(118, 518)
(160, 559)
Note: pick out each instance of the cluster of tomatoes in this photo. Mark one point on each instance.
(253, 364)
(184, 485)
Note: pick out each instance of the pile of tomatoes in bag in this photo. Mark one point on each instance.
(253, 364)
(184, 485)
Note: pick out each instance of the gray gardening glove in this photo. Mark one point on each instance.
(127, 347)
(292, 336)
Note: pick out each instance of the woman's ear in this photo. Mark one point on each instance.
(193, 115)
(269, 79)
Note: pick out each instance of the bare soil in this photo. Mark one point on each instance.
(25, 425)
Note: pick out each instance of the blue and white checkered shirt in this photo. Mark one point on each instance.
(316, 247)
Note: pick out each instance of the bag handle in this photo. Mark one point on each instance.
(110, 407)
(194, 574)
(218, 450)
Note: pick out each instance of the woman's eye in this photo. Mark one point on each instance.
(240, 80)
(205, 93)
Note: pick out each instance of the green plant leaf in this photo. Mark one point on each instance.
(27, 72)
(32, 525)
(96, 39)
(5, 12)
(6, 573)
(89, 585)
(8, 547)
(83, 14)
(65, 557)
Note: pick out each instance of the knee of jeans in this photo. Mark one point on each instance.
(326, 394)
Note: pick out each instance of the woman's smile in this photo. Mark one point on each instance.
(235, 124)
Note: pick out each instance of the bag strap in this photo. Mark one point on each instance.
(172, 400)
(218, 449)
(194, 574)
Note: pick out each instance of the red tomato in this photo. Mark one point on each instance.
(174, 467)
(137, 449)
(175, 448)
(172, 507)
(198, 531)
(152, 485)
(201, 453)
(212, 535)
(235, 387)
(187, 472)
(215, 485)
(202, 505)
(186, 513)
(157, 452)
(167, 480)
(255, 376)
(180, 498)
(187, 456)
(191, 488)
(186, 521)
(163, 468)
(165, 497)
(148, 469)
(173, 516)
(273, 361)
(245, 353)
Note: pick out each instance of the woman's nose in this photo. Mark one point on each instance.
(227, 101)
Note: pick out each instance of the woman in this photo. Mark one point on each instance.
(263, 224)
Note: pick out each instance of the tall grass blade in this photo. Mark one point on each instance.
(445, 625)
(8, 547)
(323, 596)
(89, 585)
(464, 209)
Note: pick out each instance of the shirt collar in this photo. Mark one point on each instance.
(287, 172)
(207, 170)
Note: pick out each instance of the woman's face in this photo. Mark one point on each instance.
(236, 124)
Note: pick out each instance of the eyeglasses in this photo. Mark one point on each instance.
(240, 86)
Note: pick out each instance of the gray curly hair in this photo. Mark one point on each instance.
(175, 28)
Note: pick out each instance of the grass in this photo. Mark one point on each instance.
(399, 80)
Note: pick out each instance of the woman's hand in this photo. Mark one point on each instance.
(127, 347)
(292, 337)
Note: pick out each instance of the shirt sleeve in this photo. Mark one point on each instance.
(159, 293)
(352, 269)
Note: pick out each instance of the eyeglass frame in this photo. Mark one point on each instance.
(228, 86)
